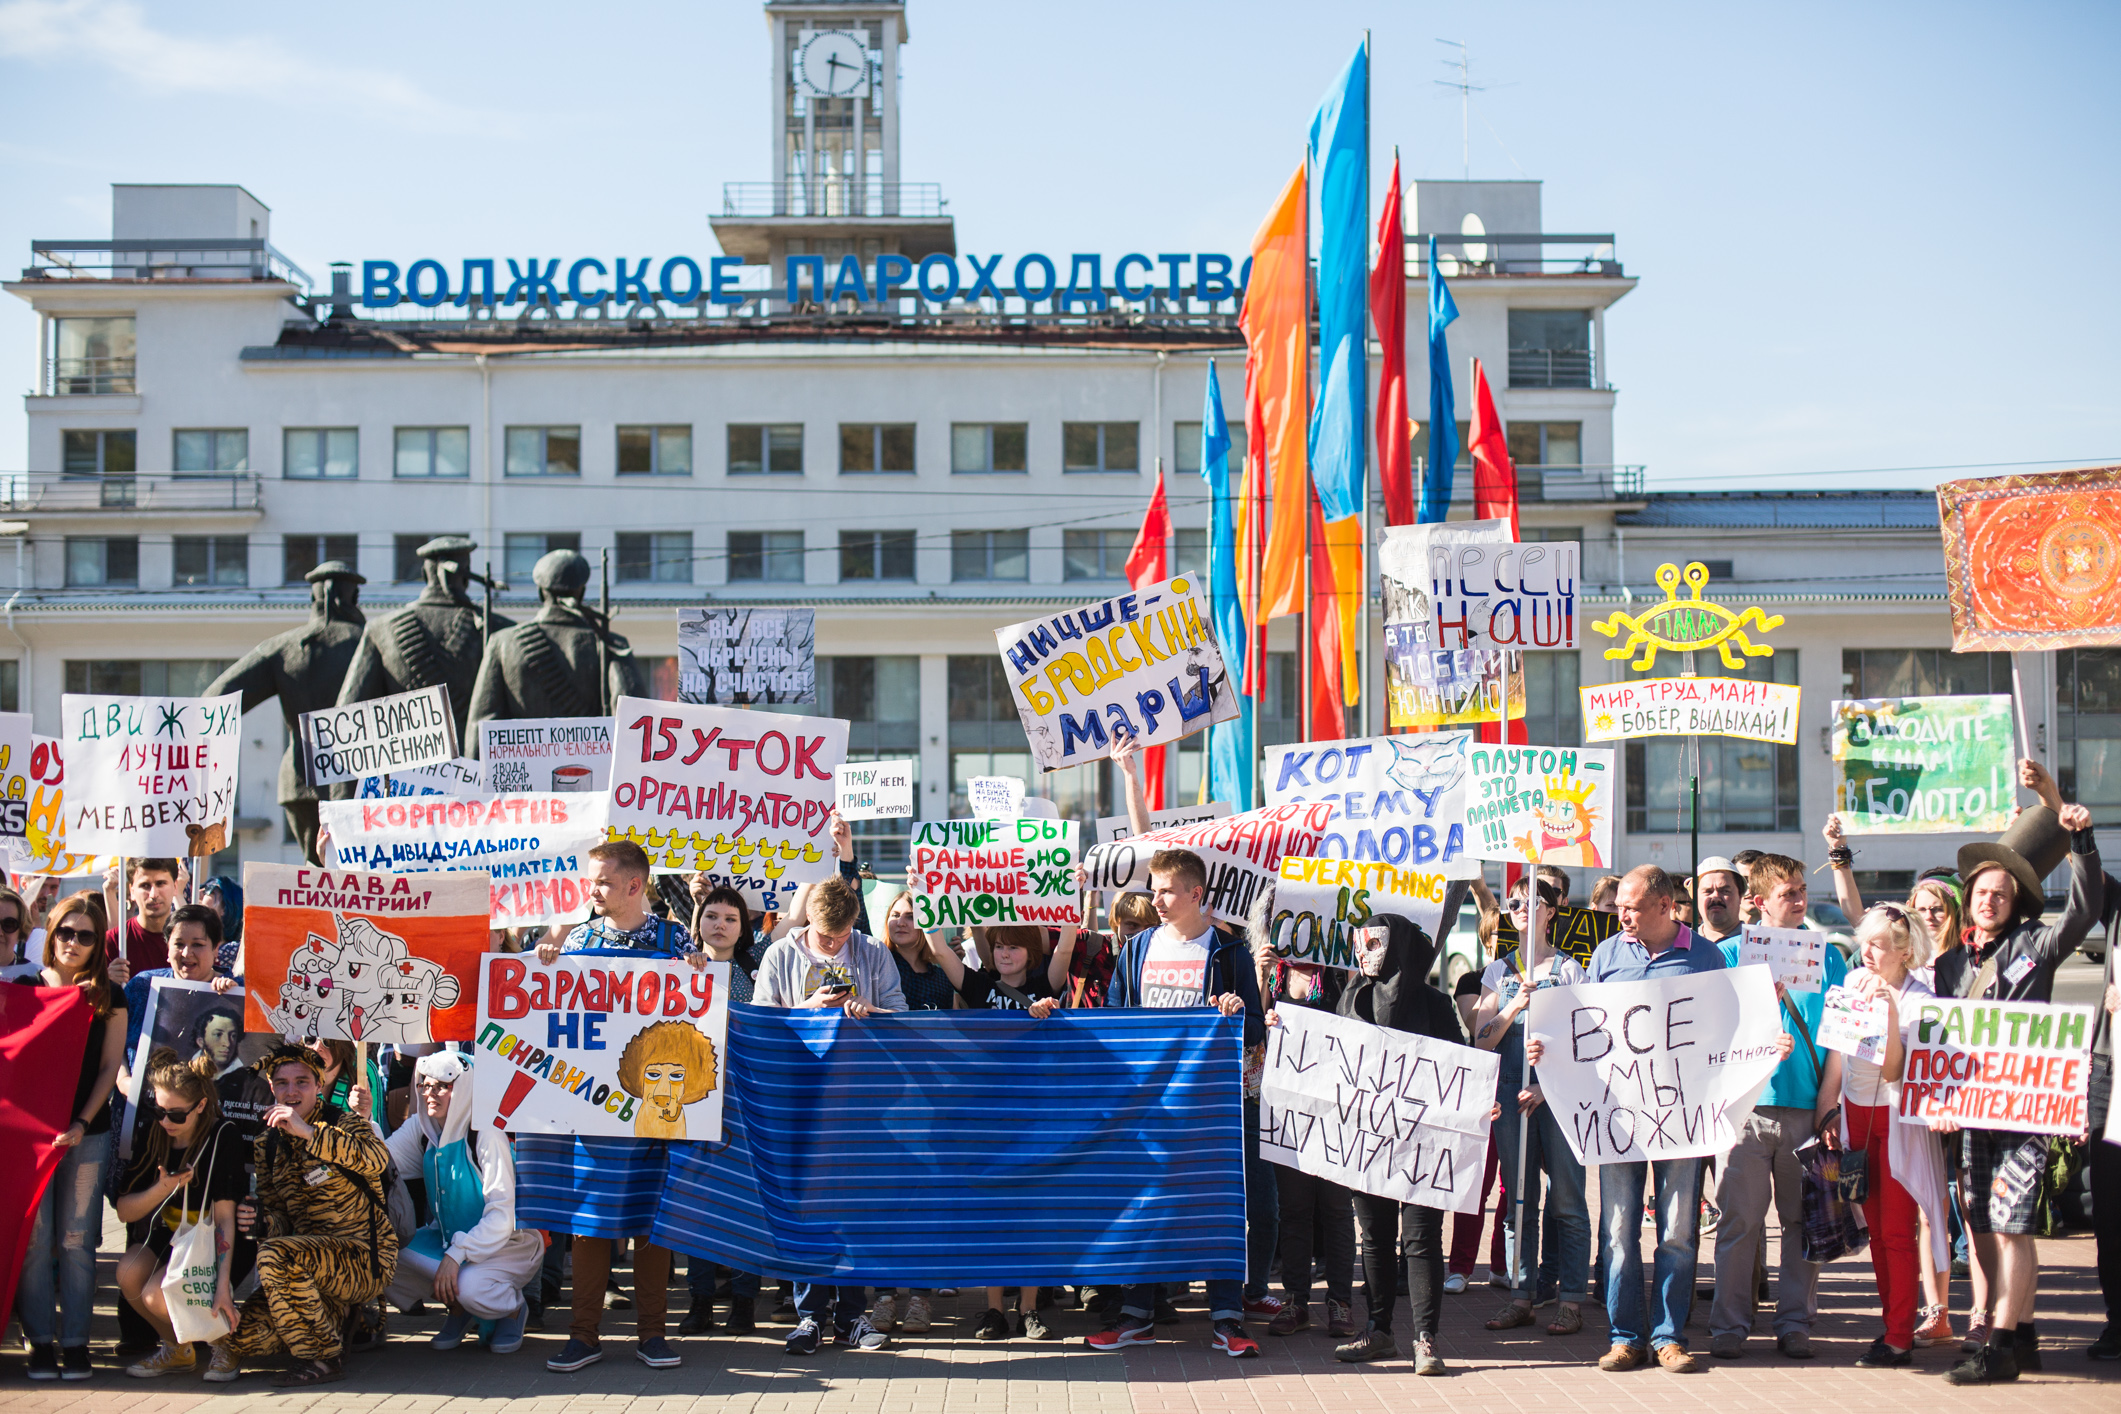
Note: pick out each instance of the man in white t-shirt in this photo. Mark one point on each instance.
(1187, 961)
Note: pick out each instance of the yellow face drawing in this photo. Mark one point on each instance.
(666, 1067)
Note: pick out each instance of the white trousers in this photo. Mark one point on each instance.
(488, 1290)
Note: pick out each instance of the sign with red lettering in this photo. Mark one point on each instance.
(623, 1047)
(2020, 1066)
(739, 795)
(150, 775)
(979, 872)
(336, 955)
(1243, 853)
(534, 847)
(1752, 711)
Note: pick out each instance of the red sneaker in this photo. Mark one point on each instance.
(1126, 1331)
(1266, 1308)
(1231, 1340)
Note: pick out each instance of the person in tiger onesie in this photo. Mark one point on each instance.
(325, 1240)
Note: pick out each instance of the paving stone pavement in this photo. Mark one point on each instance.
(946, 1372)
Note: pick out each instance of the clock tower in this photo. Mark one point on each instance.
(836, 189)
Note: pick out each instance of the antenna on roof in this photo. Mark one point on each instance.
(1466, 89)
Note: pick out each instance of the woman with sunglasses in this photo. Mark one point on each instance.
(188, 1168)
(15, 965)
(57, 1293)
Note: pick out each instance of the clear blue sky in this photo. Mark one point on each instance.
(1868, 236)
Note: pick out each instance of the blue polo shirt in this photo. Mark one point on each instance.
(1623, 958)
(1795, 1085)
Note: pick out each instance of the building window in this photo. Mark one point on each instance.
(990, 554)
(756, 449)
(986, 734)
(1553, 708)
(144, 677)
(1095, 554)
(406, 566)
(766, 556)
(876, 554)
(1746, 786)
(521, 552)
(1922, 672)
(880, 700)
(1550, 348)
(1188, 448)
(11, 685)
(2088, 730)
(109, 456)
(299, 554)
(432, 453)
(1101, 446)
(320, 453)
(219, 560)
(876, 446)
(1190, 552)
(655, 557)
(1419, 446)
(1550, 444)
(93, 356)
(544, 451)
(989, 446)
(655, 451)
(93, 561)
(212, 451)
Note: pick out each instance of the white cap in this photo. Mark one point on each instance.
(1715, 862)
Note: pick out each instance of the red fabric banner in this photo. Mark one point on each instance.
(1146, 566)
(42, 1033)
(1388, 311)
(1494, 477)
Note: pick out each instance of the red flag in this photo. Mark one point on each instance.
(1147, 564)
(1388, 311)
(42, 1033)
(1328, 715)
(1494, 477)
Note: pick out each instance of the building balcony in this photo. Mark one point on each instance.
(835, 196)
(1558, 483)
(1551, 368)
(761, 220)
(1478, 255)
(77, 377)
(162, 259)
(56, 493)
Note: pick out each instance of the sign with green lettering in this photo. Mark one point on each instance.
(2017, 1066)
(1923, 765)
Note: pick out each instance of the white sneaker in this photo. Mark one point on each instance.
(1492, 1278)
(885, 1316)
(1455, 1284)
(865, 1336)
(916, 1322)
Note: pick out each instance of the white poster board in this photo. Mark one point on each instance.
(18, 749)
(1853, 1025)
(376, 737)
(150, 775)
(535, 848)
(1320, 903)
(1735, 707)
(1399, 800)
(1795, 957)
(978, 872)
(2018, 1066)
(1542, 805)
(995, 797)
(558, 754)
(874, 790)
(1243, 853)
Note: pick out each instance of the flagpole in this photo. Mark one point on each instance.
(1306, 718)
(1362, 605)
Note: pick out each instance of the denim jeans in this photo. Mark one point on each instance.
(57, 1293)
(700, 1280)
(843, 1305)
(1678, 1239)
(1262, 1209)
(1568, 1220)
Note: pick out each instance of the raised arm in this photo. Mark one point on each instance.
(1058, 965)
(1126, 754)
(1842, 862)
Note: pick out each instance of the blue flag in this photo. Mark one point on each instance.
(1229, 743)
(590, 1187)
(1340, 168)
(1443, 403)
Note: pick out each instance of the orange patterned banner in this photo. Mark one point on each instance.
(2033, 562)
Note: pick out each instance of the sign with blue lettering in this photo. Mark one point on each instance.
(1399, 800)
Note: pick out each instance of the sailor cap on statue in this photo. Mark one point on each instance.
(334, 569)
(2031, 849)
(447, 545)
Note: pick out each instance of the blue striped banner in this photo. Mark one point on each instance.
(972, 1148)
(589, 1187)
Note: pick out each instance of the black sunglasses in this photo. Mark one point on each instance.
(10, 925)
(155, 1111)
(75, 935)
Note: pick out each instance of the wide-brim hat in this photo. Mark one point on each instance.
(335, 569)
(2032, 848)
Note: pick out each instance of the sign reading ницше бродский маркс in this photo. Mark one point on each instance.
(2018, 1066)
(1924, 765)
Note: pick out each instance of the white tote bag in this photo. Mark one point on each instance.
(194, 1273)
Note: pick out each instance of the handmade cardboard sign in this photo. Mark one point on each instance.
(1656, 1070)
(1577, 932)
(342, 955)
(42, 849)
(150, 775)
(1541, 804)
(1924, 765)
(1508, 596)
(2019, 1066)
(558, 754)
(979, 872)
(1398, 800)
(1795, 957)
(459, 776)
(1320, 903)
(995, 797)
(744, 797)
(1379, 1111)
(1853, 1025)
(534, 848)
(2033, 563)
(1433, 680)
(1119, 827)
(611, 1046)
(1688, 625)
(17, 748)
(376, 737)
(1751, 711)
(1145, 662)
(874, 790)
(1243, 853)
(747, 657)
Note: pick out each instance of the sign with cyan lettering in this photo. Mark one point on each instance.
(1432, 680)
(742, 796)
(1398, 800)
(1697, 706)
(1376, 1110)
(1145, 663)
(747, 657)
(981, 872)
(376, 737)
(2019, 1066)
(613, 1046)
(1656, 1070)
(1243, 853)
(150, 775)
(1541, 804)
(1320, 903)
(559, 754)
(1924, 765)
(534, 848)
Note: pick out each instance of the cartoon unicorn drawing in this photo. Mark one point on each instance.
(363, 985)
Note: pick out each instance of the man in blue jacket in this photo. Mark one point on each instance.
(1188, 961)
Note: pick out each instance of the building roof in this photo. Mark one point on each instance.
(1888, 510)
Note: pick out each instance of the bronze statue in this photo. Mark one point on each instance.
(436, 638)
(564, 663)
(303, 668)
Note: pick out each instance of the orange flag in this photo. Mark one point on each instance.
(1494, 477)
(1276, 321)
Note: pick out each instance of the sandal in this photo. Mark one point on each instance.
(1567, 1321)
(312, 1372)
(1512, 1315)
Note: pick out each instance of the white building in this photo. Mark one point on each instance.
(919, 469)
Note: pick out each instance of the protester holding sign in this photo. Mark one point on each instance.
(194, 936)
(154, 886)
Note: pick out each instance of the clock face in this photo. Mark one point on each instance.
(833, 64)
